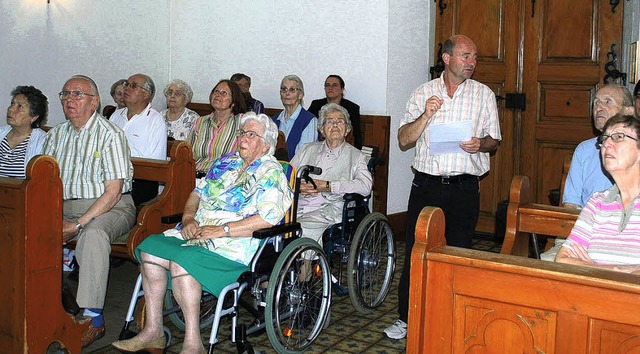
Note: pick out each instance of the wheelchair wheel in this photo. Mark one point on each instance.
(207, 310)
(371, 264)
(298, 296)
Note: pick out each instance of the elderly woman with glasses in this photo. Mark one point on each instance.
(298, 125)
(607, 232)
(179, 118)
(214, 135)
(21, 139)
(242, 192)
(344, 170)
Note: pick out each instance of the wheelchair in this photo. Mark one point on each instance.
(363, 243)
(289, 281)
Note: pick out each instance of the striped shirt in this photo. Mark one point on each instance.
(610, 234)
(87, 158)
(12, 160)
(472, 101)
(210, 141)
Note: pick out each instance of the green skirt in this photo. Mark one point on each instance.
(213, 271)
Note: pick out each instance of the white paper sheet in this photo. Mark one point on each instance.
(446, 138)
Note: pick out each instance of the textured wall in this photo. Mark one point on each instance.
(381, 48)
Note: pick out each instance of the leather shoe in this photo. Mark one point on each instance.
(134, 345)
(92, 334)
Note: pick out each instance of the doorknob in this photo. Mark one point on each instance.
(514, 100)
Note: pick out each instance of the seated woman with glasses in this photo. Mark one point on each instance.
(21, 139)
(298, 125)
(242, 192)
(344, 170)
(607, 232)
(179, 118)
(214, 135)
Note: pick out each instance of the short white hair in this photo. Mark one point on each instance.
(270, 134)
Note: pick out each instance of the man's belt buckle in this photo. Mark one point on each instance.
(445, 180)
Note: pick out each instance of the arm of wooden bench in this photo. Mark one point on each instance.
(31, 312)
(524, 217)
(178, 177)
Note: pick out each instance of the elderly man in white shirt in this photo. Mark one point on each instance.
(144, 127)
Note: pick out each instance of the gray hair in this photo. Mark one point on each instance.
(624, 94)
(92, 83)
(182, 86)
(149, 85)
(333, 107)
(270, 134)
(296, 79)
(115, 86)
(239, 76)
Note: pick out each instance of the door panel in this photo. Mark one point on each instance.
(553, 51)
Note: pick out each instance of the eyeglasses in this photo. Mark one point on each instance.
(288, 89)
(335, 84)
(222, 93)
(334, 122)
(76, 95)
(249, 134)
(615, 137)
(134, 85)
(174, 93)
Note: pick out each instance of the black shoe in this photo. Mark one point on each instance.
(340, 290)
(69, 301)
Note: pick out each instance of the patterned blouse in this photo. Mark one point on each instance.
(228, 194)
(179, 129)
(12, 160)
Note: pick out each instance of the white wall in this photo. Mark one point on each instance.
(381, 48)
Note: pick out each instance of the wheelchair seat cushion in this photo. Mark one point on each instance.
(213, 271)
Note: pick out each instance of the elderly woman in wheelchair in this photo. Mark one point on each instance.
(244, 191)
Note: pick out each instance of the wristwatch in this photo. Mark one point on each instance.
(227, 229)
(328, 187)
(79, 227)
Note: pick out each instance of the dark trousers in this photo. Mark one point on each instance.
(460, 203)
(143, 191)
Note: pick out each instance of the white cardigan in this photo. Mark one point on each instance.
(36, 142)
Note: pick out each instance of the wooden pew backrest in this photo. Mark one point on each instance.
(524, 217)
(473, 301)
(31, 313)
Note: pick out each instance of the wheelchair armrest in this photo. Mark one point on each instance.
(171, 219)
(276, 230)
(353, 196)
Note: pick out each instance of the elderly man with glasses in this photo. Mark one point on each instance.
(145, 129)
(96, 172)
(586, 174)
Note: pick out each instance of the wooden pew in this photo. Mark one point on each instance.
(178, 176)
(31, 313)
(466, 301)
(525, 217)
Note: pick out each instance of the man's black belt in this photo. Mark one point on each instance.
(449, 179)
(200, 174)
(125, 193)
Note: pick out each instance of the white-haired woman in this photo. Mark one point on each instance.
(344, 170)
(179, 118)
(242, 192)
(299, 126)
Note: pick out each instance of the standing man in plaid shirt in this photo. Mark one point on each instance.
(450, 180)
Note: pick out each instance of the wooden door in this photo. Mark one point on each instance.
(554, 52)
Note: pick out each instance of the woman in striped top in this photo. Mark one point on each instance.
(215, 134)
(22, 138)
(607, 232)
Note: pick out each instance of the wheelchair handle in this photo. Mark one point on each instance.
(304, 171)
